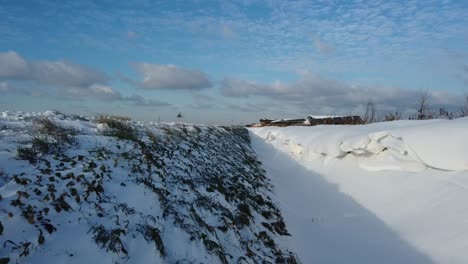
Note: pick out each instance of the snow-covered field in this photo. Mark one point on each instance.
(394, 192)
(107, 190)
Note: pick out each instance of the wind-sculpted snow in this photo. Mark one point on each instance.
(392, 192)
(109, 190)
(398, 145)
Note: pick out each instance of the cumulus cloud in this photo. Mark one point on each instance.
(170, 77)
(12, 66)
(140, 101)
(100, 91)
(69, 78)
(310, 85)
(61, 79)
(59, 73)
(317, 93)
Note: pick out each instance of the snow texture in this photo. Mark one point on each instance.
(393, 192)
(108, 190)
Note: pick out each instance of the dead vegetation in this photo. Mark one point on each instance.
(207, 180)
(119, 127)
(46, 138)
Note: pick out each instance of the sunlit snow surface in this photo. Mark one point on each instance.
(394, 192)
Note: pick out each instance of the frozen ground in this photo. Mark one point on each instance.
(391, 192)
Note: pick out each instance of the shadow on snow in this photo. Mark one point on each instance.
(328, 226)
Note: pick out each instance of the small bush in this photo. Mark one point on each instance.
(118, 127)
(27, 153)
(47, 138)
(109, 239)
(392, 116)
(153, 234)
(49, 129)
(103, 118)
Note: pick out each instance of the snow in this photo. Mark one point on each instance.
(324, 116)
(298, 120)
(401, 145)
(155, 193)
(392, 192)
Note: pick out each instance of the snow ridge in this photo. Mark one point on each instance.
(399, 145)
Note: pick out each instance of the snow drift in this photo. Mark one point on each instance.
(399, 145)
(392, 192)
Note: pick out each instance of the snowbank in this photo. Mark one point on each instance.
(399, 145)
(391, 192)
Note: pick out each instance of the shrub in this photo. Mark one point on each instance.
(423, 108)
(109, 238)
(47, 138)
(60, 135)
(119, 127)
(392, 116)
(153, 234)
(445, 114)
(27, 153)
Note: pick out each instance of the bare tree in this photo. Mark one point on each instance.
(464, 109)
(392, 116)
(369, 115)
(423, 108)
(445, 114)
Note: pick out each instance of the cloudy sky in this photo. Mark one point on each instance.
(231, 61)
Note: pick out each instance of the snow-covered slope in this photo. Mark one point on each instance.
(106, 190)
(394, 192)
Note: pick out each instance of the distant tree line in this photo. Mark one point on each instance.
(424, 111)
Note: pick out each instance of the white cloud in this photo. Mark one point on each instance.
(65, 78)
(57, 73)
(61, 73)
(170, 77)
(313, 93)
(12, 66)
(138, 100)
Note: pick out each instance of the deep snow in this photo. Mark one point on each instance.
(393, 192)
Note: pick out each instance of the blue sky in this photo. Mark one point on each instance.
(230, 61)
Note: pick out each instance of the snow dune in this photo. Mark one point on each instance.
(392, 192)
(400, 145)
